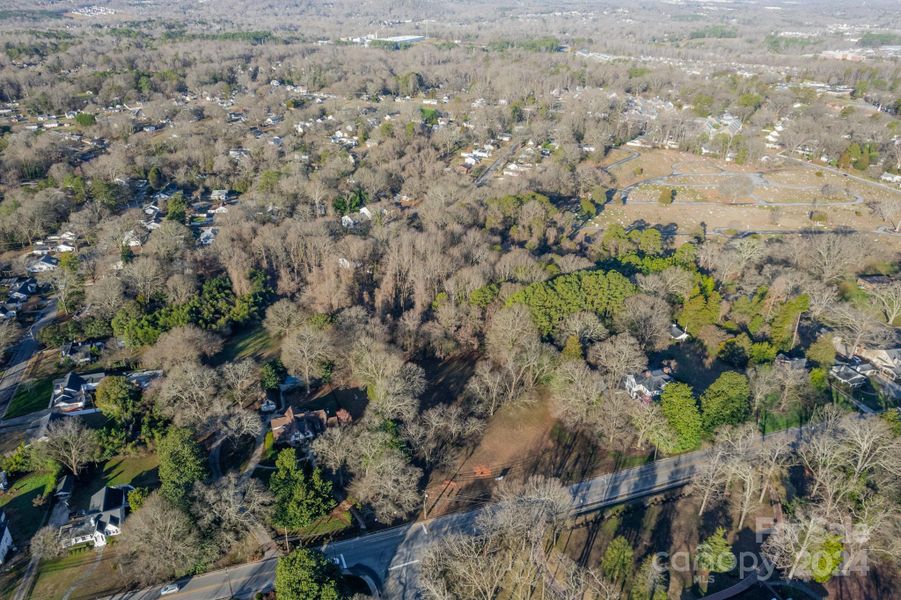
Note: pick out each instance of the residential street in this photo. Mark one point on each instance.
(397, 551)
(21, 354)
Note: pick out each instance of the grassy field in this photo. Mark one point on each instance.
(31, 396)
(253, 342)
(18, 503)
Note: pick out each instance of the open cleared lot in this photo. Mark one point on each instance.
(521, 441)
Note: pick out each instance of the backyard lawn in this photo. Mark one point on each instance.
(24, 517)
(138, 471)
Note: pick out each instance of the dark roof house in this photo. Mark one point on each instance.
(104, 518)
(293, 429)
(74, 392)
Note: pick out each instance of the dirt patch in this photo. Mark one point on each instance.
(519, 442)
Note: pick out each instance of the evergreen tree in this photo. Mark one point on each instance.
(617, 560)
(726, 401)
(299, 501)
(714, 555)
(116, 398)
(680, 409)
(307, 575)
(181, 464)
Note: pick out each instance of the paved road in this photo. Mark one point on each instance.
(21, 354)
(397, 551)
(502, 159)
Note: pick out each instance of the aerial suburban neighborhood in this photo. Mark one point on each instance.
(450, 301)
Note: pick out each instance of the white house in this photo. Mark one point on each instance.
(104, 518)
(647, 385)
(43, 264)
(6, 539)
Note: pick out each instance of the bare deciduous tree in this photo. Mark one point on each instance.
(829, 256)
(888, 298)
(437, 432)
(889, 209)
(230, 507)
(647, 318)
(185, 344)
(46, 544)
(304, 350)
(160, 542)
(282, 316)
(617, 357)
(70, 443)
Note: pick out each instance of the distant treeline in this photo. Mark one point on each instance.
(713, 32)
(876, 39)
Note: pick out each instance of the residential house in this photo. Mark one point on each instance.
(294, 429)
(22, 289)
(871, 282)
(207, 235)
(847, 375)
(74, 393)
(103, 519)
(219, 196)
(647, 385)
(132, 239)
(164, 194)
(886, 360)
(43, 264)
(143, 379)
(81, 353)
(796, 364)
(6, 539)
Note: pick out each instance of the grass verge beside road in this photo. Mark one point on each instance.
(31, 396)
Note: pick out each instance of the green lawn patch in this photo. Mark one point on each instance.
(31, 396)
(330, 524)
(772, 422)
(253, 342)
(24, 517)
(137, 471)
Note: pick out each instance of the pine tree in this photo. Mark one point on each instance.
(298, 501)
(681, 411)
(714, 555)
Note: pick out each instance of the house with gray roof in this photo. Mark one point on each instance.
(103, 519)
(74, 392)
